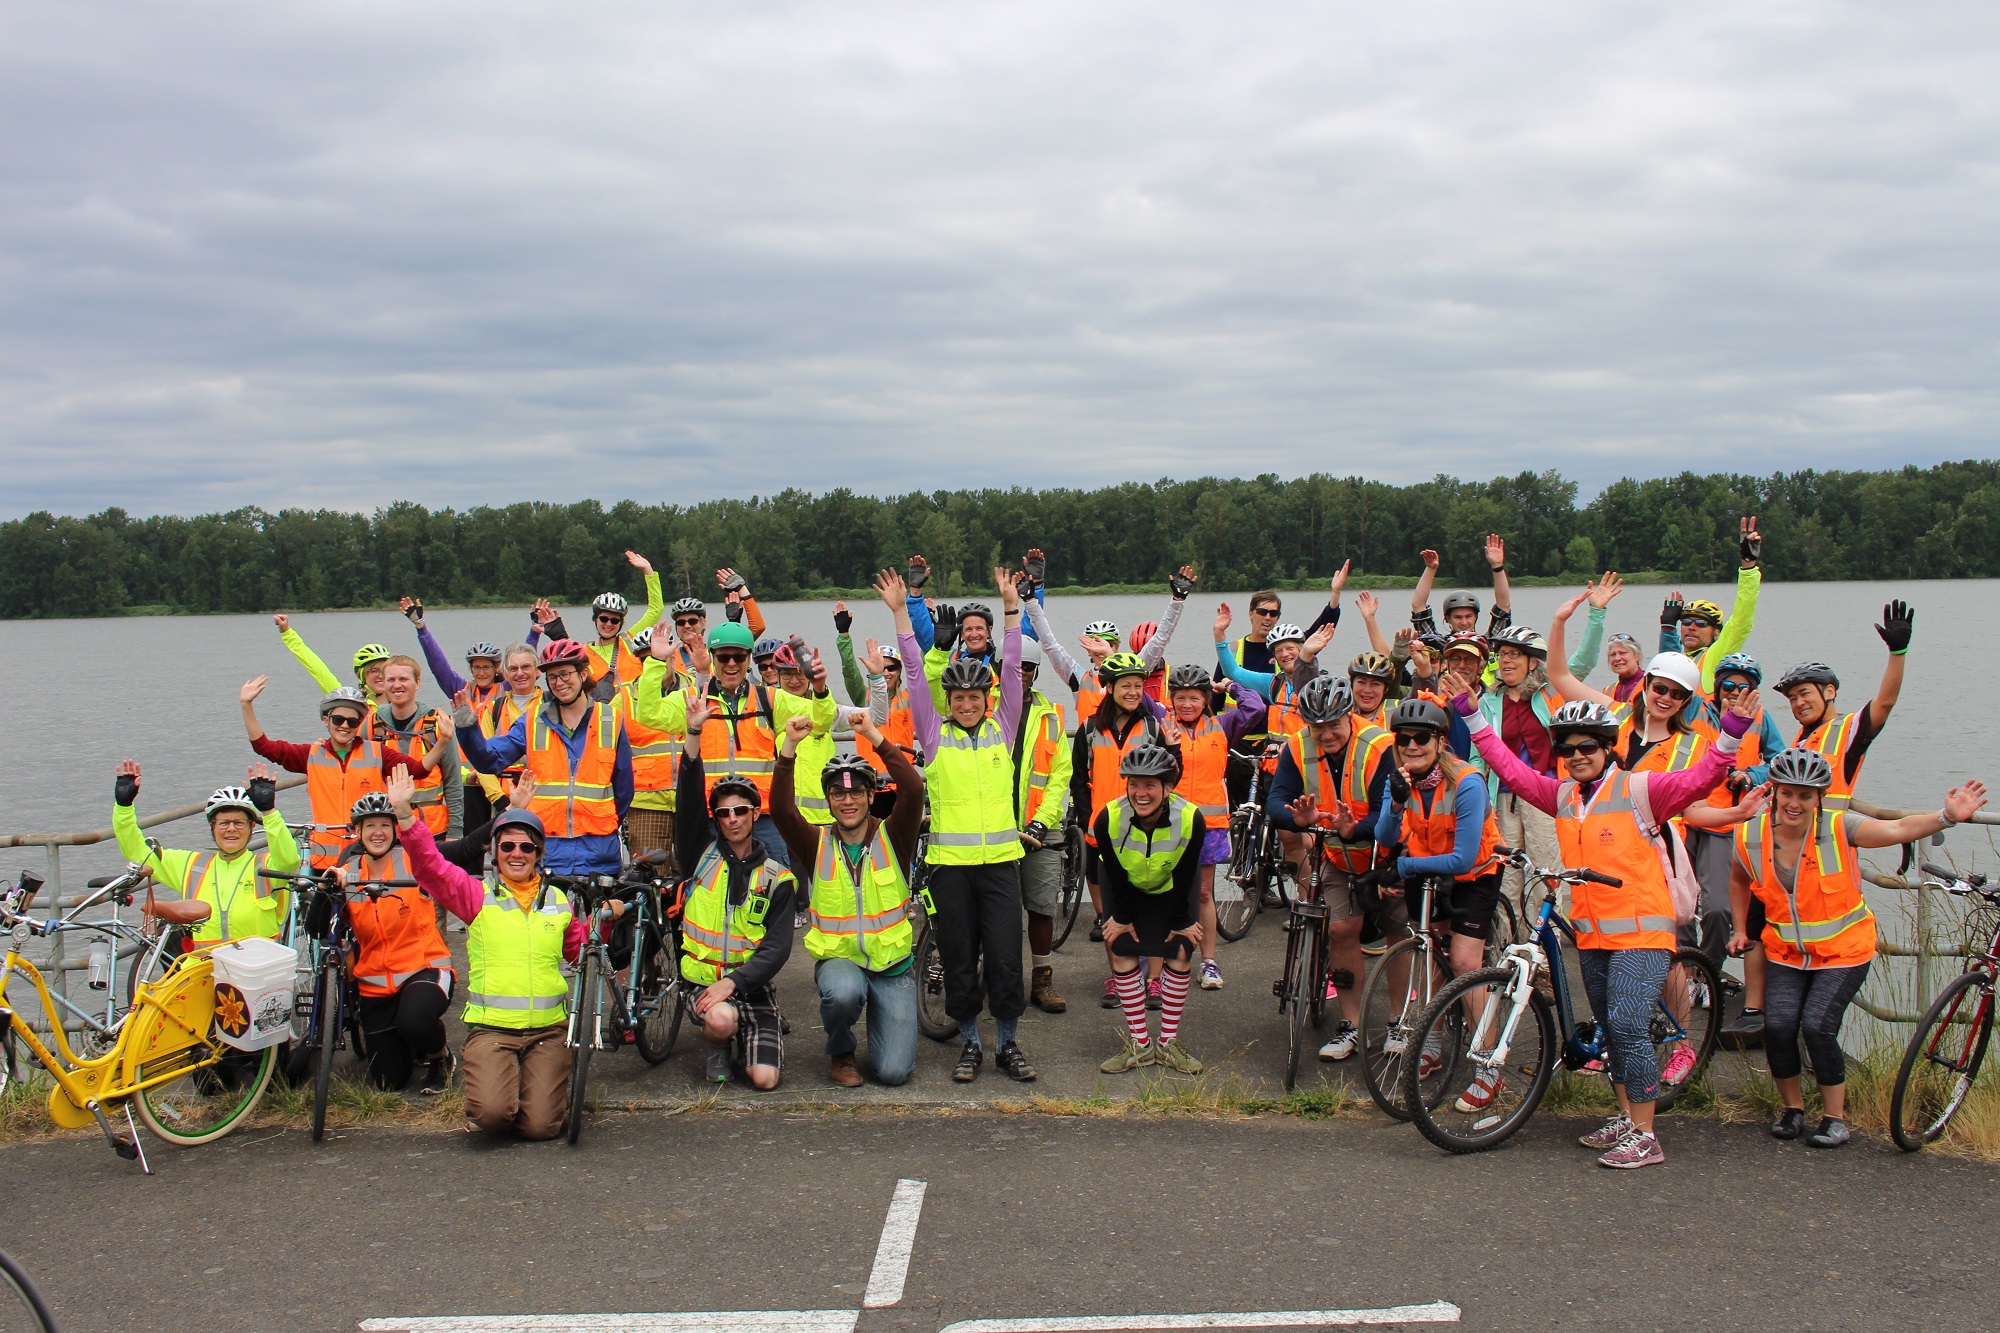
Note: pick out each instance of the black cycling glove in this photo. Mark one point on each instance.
(263, 794)
(126, 790)
(919, 574)
(733, 582)
(1670, 613)
(945, 617)
(843, 620)
(1399, 786)
(1180, 585)
(1752, 546)
(415, 611)
(1037, 569)
(734, 610)
(1898, 618)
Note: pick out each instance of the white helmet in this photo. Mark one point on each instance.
(1678, 668)
(1284, 634)
(611, 602)
(1031, 652)
(232, 798)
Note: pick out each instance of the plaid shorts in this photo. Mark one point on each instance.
(760, 1037)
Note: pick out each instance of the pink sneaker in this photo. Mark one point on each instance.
(1679, 1065)
(1610, 1134)
(1635, 1151)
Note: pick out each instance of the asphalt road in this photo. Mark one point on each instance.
(1024, 1215)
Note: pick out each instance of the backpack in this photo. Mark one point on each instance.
(1673, 854)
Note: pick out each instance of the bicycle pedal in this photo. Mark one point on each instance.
(126, 1149)
(1278, 989)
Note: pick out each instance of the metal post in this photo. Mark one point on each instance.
(1923, 941)
(57, 979)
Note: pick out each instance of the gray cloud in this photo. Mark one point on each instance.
(337, 254)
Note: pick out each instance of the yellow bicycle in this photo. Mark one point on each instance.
(167, 1062)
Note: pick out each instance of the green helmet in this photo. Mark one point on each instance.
(729, 634)
(367, 655)
(1121, 664)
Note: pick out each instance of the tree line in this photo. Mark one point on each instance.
(1936, 522)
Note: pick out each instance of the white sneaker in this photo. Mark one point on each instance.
(1211, 975)
(1343, 1043)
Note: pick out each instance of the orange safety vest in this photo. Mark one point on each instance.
(334, 785)
(431, 730)
(1283, 718)
(1050, 736)
(900, 729)
(396, 933)
(1365, 748)
(1204, 761)
(1605, 836)
(1748, 750)
(1436, 833)
(498, 717)
(1833, 738)
(1680, 750)
(1822, 921)
(1378, 719)
(1107, 784)
(575, 803)
(617, 660)
(1089, 694)
(656, 755)
(738, 744)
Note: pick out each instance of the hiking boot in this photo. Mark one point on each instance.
(1211, 975)
(1009, 1061)
(1743, 1031)
(1342, 1046)
(1153, 994)
(437, 1074)
(718, 1064)
(1679, 1065)
(1610, 1134)
(1044, 995)
(1172, 1055)
(1832, 1133)
(1109, 1000)
(1479, 1094)
(1790, 1124)
(1097, 928)
(969, 1059)
(1634, 1151)
(1134, 1056)
(844, 1071)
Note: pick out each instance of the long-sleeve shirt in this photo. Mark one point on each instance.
(924, 714)
(234, 876)
(310, 660)
(292, 756)
(1245, 715)
(1071, 671)
(461, 894)
(1264, 682)
(442, 671)
(1735, 629)
(1468, 812)
(1667, 793)
(585, 853)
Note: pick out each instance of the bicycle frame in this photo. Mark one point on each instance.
(126, 941)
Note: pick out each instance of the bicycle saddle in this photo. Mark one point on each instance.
(180, 911)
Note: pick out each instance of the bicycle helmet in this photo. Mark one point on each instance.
(1740, 664)
(1325, 699)
(735, 786)
(690, 606)
(374, 805)
(1807, 673)
(785, 659)
(1142, 634)
(729, 634)
(1121, 664)
(1031, 654)
(1708, 613)
(1188, 676)
(1419, 715)
(480, 650)
(232, 798)
(609, 603)
(847, 772)
(966, 673)
(344, 697)
(1149, 761)
(1461, 601)
(1432, 643)
(1102, 629)
(526, 820)
(1465, 641)
(1583, 716)
(367, 655)
(1371, 666)
(889, 653)
(565, 653)
(1287, 633)
(1678, 668)
(980, 609)
(640, 641)
(1529, 641)
(1800, 767)
(766, 649)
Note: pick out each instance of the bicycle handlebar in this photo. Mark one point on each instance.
(1951, 881)
(1516, 858)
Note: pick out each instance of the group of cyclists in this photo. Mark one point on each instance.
(716, 754)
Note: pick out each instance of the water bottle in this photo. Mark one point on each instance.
(99, 974)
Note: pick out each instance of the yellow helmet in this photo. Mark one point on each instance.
(1703, 611)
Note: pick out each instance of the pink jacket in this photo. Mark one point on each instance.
(459, 893)
(1667, 793)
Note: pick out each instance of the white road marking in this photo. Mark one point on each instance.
(1438, 1312)
(703, 1321)
(892, 1253)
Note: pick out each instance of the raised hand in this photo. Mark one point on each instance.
(1365, 603)
(1339, 579)
(1036, 566)
(889, 586)
(1317, 641)
(251, 689)
(283, 622)
(1429, 557)
(125, 789)
(664, 646)
(1898, 620)
(259, 772)
(1670, 610)
(871, 657)
(412, 608)
(1097, 648)
(1749, 541)
(1745, 704)
(1305, 811)
(797, 727)
(1568, 608)
(817, 671)
(521, 791)
(863, 723)
(401, 789)
(1963, 802)
(700, 708)
(842, 620)
(1222, 619)
(1010, 593)
(1496, 552)
(729, 580)
(920, 573)
(1605, 589)
(541, 612)
(639, 562)
(944, 622)
(1181, 582)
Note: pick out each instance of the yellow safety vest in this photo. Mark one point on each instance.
(971, 782)
(514, 958)
(859, 912)
(1151, 867)
(714, 939)
(250, 905)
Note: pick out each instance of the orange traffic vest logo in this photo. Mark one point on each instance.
(1606, 836)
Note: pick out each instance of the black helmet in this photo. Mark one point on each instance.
(1325, 699)
(1149, 761)
(1807, 673)
(735, 786)
(966, 673)
(1419, 715)
(847, 772)
(1461, 601)
(1800, 767)
(1583, 716)
(526, 820)
(980, 609)
(1188, 676)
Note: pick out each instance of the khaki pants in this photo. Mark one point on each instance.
(517, 1081)
(651, 830)
(1523, 826)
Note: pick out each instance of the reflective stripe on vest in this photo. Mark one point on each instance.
(515, 957)
(1605, 836)
(714, 935)
(217, 925)
(1832, 740)
(1827, 879)
(1151, 870)
(876, 938)
(1204, 767)
(1365, 746)
(971, 780)
(574, 800)
(334, 787)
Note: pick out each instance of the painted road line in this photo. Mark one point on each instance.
(1438, 1312)
(892, 1253)
(697, 1321)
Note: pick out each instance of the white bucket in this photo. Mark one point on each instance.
(253, 992)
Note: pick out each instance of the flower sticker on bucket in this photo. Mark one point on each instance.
(232, 1015)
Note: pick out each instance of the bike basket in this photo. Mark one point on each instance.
(253, 992)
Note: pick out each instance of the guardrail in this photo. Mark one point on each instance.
(1925, 949)
(58, 967)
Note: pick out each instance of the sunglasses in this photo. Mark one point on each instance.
(1694, 620)
(345, 721)
(604, 616)
(731, 659)
(1263, 610)
(735, 811)
(686, 622)
(1414, 740)
(517, 846)
(1668, 690)
(892, 665)
(1584, 748)
(1731, 686)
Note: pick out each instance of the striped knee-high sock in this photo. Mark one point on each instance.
(1132, 998)
(1173, 998)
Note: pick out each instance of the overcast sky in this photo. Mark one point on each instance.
(343, 253)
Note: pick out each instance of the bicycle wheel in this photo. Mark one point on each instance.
(1234, 916)
(585, 1019)
(1388, 1016)
(662, 1004)
(21, 1306)
(1942, 1061)
(1506, 931)
(1300, 969)
(932, 1020)
(1072, 888)
(201, 1098)
(1451, 1121)
(1678, 1025)
(326, 1039)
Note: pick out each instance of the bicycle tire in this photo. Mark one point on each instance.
(13, 1277)
(1703, 1026)
(1385, 1029)
(661, 1003)
(585, 1018)
(1316, 1002)
(932, 1020)
(1071, 901)
(1494, 1124)
(326, 1020)
(1945, 1095)
(187, 1122)
(1302, 949)
(1234, 917)
(1505, 931)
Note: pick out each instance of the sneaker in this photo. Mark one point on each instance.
(1211, 975)
(1344, 1041)
(1172, 1055)
(1594, 1066)
(1789, 1125)
(1097, 929)
(1432, 1058)
(1832, 1133)
(1109, 1000)
(969, 1059)
(1610, 1134)
(1698, 994)
(1042, 993)
(1153, 998)
(437, 1074)
(844, 1071)
(718, 1064)
(1133, 1056)
(1009, 1061)
(1479, 1094)
(1679, 1065)
(799, 920)
(1743, 1031)
(1634, 1151)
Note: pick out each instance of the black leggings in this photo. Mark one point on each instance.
(979, 921)
(1812, 1002)
(403, 1028)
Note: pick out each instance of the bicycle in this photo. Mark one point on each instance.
(1074, 886)
(1256, 859)
(636, 1007)
(1519, 1031)
(1400, 987)
(21, 1305)
(1302, 987)
(1939, 1068)
(166, 1059)
(933, 1020)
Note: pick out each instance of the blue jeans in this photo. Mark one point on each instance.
(844, 987)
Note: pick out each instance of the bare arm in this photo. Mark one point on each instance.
(1420, 600)
(1496, 559)
(1560, 676)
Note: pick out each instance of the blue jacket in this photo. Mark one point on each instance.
(1468, 807)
